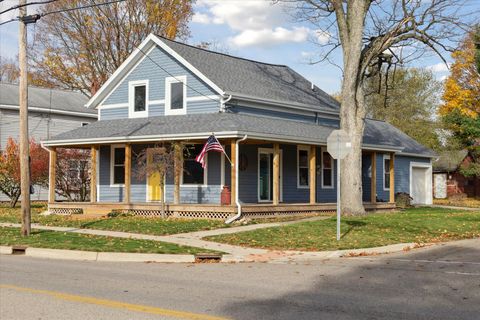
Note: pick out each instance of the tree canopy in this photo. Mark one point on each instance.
(408, 99)
(80, 49)
(461, 108)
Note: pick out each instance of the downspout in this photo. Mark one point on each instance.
(223, 101)
(237, 201)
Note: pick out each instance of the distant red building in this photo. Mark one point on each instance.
(447, 179)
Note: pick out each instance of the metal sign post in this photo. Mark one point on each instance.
(338, 146)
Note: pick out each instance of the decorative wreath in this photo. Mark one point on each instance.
(243, 162)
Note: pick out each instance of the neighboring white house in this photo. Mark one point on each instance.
(51, 112)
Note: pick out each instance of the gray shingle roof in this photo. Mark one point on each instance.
(376, 133)
(40, 98)
(449, 161)
(253, 78)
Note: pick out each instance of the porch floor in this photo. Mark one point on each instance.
(210, 211)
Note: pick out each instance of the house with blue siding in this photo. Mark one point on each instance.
(272, 122)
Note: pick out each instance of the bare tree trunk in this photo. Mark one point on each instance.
(351, 178)
(352, 110)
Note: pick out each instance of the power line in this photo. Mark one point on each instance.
(176, 78)
(26, 4)
(33, 18)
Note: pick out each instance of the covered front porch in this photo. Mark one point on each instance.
(267, 179)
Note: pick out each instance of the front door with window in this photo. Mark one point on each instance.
(154, 192)
(265, 175)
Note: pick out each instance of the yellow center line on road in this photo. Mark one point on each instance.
(115, 304)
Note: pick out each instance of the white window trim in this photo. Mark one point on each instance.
(303, 148)
(385, 157)
(131, 99)
(269, 151)
(112, 156)
(205, 176)
(322, 150)
(168, 83)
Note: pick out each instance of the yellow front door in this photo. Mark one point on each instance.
(153, 182)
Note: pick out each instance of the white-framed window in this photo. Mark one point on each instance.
(117, 165)
(303, 157)
(176, 95)
(327, 170)
(193, 173)
(386, 172)
(138, 99)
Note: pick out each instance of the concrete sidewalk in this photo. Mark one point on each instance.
(452, 207)
(192, 239)
(233, 253)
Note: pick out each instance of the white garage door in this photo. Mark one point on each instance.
(421, 184)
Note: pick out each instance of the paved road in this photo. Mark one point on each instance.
(435, 283)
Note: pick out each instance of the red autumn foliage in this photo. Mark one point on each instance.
(10, 168)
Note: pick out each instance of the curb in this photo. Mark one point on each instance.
(268, 257)
(78, 255)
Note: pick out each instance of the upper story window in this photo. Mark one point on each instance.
(193, 173)
(138, 98)
(303, 155)
(386, 172)
(117, 165)
(175, 95)
(327, 170)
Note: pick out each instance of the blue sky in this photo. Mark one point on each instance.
(252, 29)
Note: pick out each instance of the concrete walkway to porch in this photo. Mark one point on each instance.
(192, 239)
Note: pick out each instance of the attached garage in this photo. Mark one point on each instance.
(421, 183)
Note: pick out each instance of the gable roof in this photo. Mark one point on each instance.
(43, 99)
(244, 77)
(449, 161)
(230, 75)
(378, 135)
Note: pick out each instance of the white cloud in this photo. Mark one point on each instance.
(439, 67)
(269, 37)
(255, 23)
(321, 36)
(306, 54)
(244, 15)
(201, 18)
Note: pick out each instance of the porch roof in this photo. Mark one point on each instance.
(378, 135)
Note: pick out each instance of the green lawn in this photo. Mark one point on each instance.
(419, 225)
(74, 241)
(154, 226)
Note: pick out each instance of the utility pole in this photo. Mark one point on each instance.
(23, 102)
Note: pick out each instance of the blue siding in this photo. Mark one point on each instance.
(325, 195)
(114, 113)
(293, 115)
(367, 176)
(402, 172)
(157, 109)
(188, 194)
(247, 179)
(291, 193)
(148, 70)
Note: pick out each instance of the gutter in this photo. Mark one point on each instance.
(223, 101)
(53, 111)
(237, 201)
(293, 105)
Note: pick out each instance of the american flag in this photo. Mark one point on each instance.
(212, 144)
